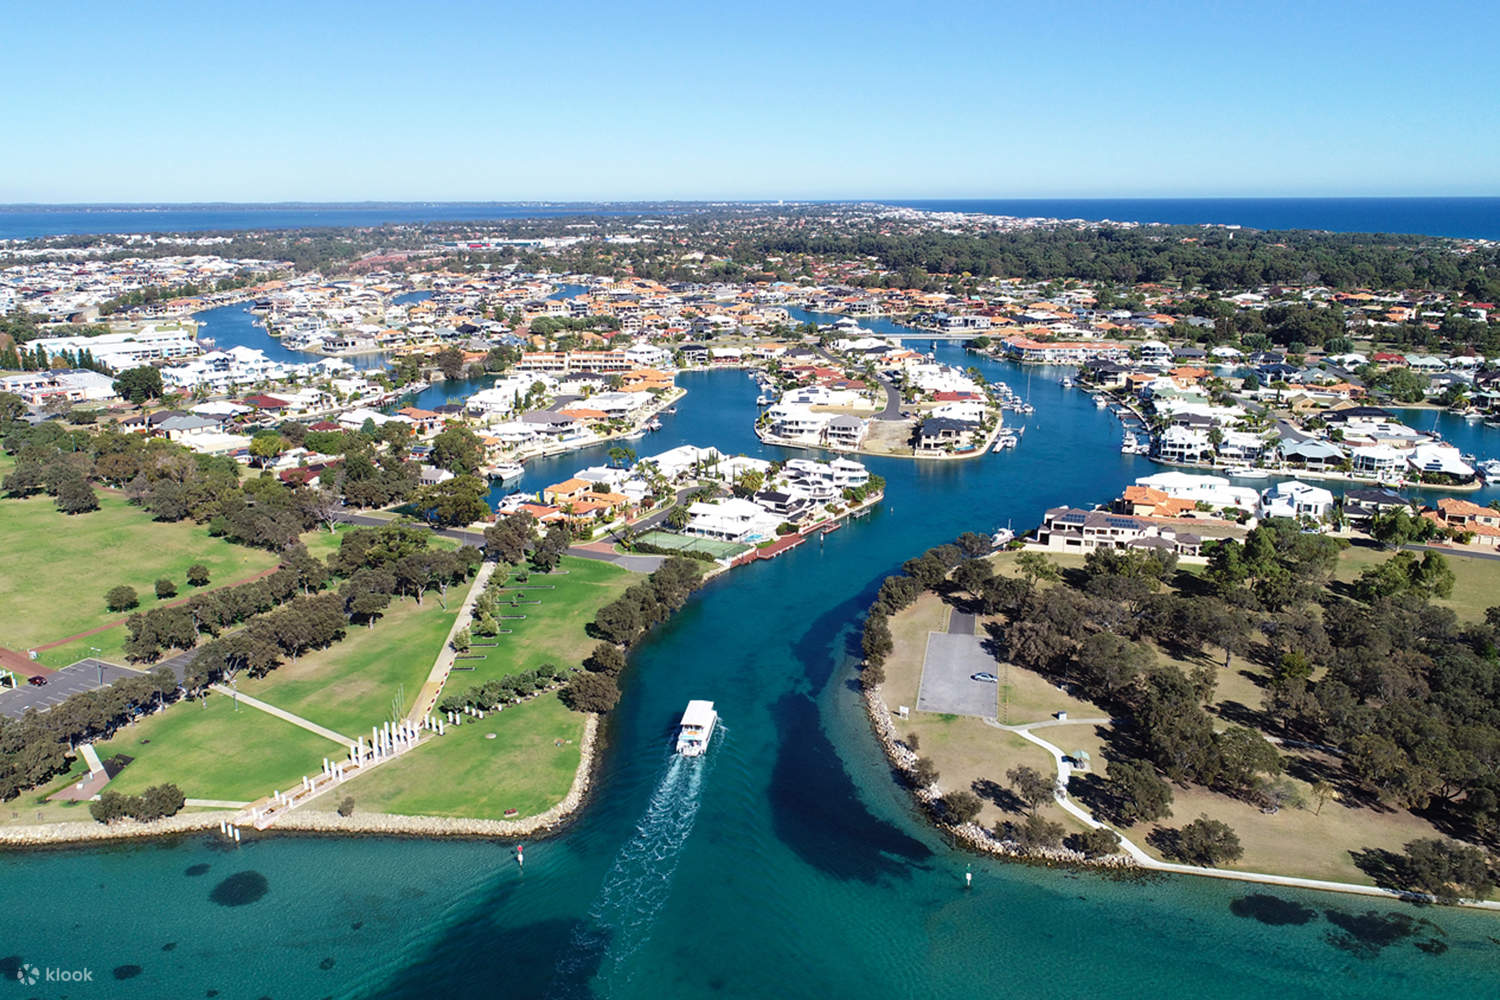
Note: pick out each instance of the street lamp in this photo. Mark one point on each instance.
(98, 663)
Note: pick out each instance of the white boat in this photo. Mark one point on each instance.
(696, 728)
(506, 471)
(1489, 469)
(763, 400)
(1006, 440)
(1100, 402)
(1067, 383)
(1245, 472)
(653, 425)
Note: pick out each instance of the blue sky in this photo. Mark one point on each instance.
(475, 101)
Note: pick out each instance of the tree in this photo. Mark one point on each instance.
(1031, 786)
(121, 598)
(1322, 791)
(897, 592)
(972, 575)
(450, 361)
(590, 692)
(1097, 842)
(139, 384)
(1109, 663)
(76, 496)
(1035, 566)
(267, 445)
(974, 545)
(165, 588)
(454, 502)
(1206, 842)
(1446, 870)
(677, 518)
(462, 640)
(346, 806)
(749, 483)
(961, 806)
(606, 659)
(620, 457)
(1137, 794)
(924, 774)
(197, 575)
(1035, 832)
(457, 449)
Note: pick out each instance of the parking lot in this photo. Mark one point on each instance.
(947, 667)
(85, 675)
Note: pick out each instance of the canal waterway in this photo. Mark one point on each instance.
(788, 865)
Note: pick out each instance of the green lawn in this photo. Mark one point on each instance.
(212, 751)
(552, 632)
(57, 567)
(528, 766)
(349, 687)
(1476, 580)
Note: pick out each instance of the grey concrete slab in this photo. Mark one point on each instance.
(960, 623)
(946, 687)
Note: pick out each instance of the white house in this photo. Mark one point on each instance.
(1294, 499)
(731, 520)
(1215, 491)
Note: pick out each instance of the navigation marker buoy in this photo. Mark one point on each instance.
(969, 877)
(520, 857)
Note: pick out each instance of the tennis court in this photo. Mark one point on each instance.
(692, 543)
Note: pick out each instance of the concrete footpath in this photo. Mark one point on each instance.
(283, 714)
(443, 665)
(1144, 860)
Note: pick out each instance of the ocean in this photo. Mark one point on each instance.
(1472, 218)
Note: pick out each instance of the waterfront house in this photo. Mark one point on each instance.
(1362, 505)
(1294, 499)
(1312, 454)
(938, 434)
(1072, 529)
(1214, 491)
(845, 431)
(1377, 460)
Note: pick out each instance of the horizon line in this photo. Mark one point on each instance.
(897, 201)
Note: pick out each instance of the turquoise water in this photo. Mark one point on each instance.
(785, 864)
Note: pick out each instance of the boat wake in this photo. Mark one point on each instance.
(637, 885)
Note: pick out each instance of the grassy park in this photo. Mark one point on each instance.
(1311, 835)
(59, 566)
(349, 686)
(552, 631)
(528, 767)
(213, 750)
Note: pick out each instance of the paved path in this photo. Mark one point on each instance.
(283, 714)
(1140, 857)
(433, 687)
(215, 803)
(634, 563)
(91, 757)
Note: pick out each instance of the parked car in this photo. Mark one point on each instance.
(988, 678)
(37, 680)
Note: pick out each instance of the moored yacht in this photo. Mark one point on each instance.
(506, 471)
(696, 728)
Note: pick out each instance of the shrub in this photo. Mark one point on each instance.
(197, 575)
(961, 806)
(165, 588)
(1096, 842)
(121, 598)
(346, 807)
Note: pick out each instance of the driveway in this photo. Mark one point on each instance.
(892, 409)
(85, 675)
(946, 668)
(604, 552)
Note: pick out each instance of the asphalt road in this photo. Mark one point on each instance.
(85, 675)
